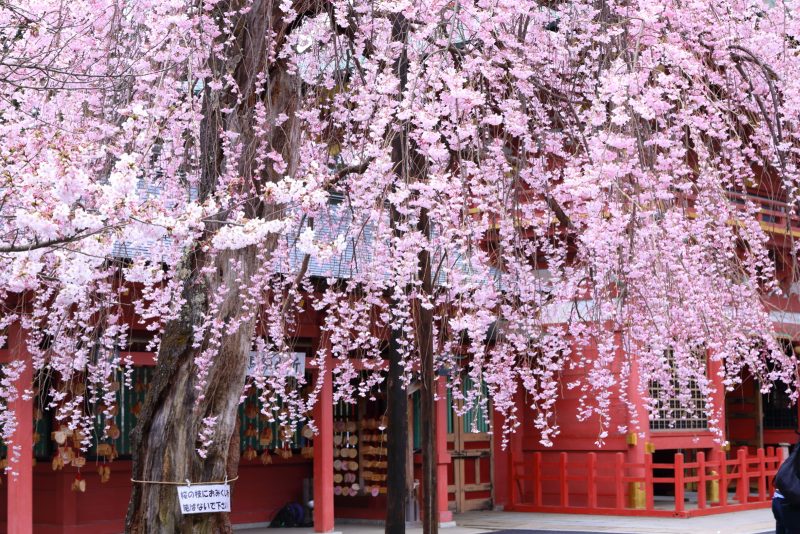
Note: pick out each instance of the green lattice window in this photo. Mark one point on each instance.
(475, 419)
(129, 403)
(416, 401)
(257, 432)
(450, 413)
(671, 413)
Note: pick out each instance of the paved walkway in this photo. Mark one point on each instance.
(749, 522)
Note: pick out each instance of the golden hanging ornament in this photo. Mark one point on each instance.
(105, 473)
(79, 484)
(266, 436)
(250, 431)
(249, 453)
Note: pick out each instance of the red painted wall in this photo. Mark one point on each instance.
(578, 435)
(259, 493)
(579, 438)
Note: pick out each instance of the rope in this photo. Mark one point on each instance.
(185, 483)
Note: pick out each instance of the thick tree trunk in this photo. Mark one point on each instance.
(165, 440)
(396, 443)
(397, 492)
(424, 323)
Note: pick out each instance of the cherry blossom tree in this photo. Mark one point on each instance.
(511, 189)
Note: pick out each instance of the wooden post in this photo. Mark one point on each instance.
(679, 484)
(775, 462)
(648, 482)
(512, 471)
(762, 475)
(323, 449)
(591, 482)
(759, 416)
(744, 481)
(639, 450)
(723, 478)
(443, 457)
(537, 478)
(701, 480)
(562, 479)
(619, 485)
(20, 485)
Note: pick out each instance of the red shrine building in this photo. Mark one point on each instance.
(672, 467)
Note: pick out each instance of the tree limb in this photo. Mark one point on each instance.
(52, 242)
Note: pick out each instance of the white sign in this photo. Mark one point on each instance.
(205, 498)
(271, 361)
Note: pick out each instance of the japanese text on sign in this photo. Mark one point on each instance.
(205, 498)
(270, 361)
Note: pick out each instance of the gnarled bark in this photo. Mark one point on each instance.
(165, 440)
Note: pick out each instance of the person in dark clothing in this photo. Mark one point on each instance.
(784, 507)
(787, 515)
(293, 515)
(290, 516)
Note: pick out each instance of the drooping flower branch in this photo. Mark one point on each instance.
(593, 177)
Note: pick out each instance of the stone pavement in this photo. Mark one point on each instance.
(749, 522)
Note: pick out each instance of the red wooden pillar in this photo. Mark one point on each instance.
(743, 487)
(563, 482)
(679, 484)
(510, 497)
(323, 448)
(718, 455)
(591, 482)
(509, 491)
(636, 455)
(20, 484)
(762, 475)
(723, 479)
(648, 482)
(701, 480)
(537, 479)
(718, 398)
(442, 456)
(501, 463)
(619, 486)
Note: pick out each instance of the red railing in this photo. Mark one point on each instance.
(578, 483)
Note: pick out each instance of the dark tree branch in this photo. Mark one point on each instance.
(52, 242)
(559, 212)
(342, 172)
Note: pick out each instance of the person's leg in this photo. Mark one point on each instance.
(789, 518)
(777, 511)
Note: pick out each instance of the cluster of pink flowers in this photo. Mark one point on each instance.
(584, 170)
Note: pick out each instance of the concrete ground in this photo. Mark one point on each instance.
(749, 522)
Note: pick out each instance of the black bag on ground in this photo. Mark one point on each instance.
(787, 480)
(291, 515)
